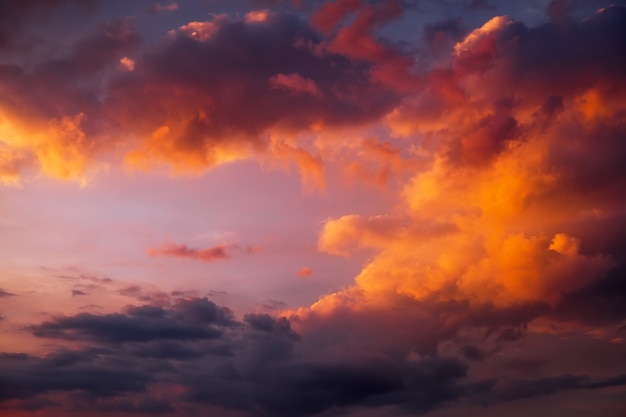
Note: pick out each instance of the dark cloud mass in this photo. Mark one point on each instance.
(188, 320)
(260, 366)
(226, 95)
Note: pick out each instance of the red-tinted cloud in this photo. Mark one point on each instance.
(330, 14)
(305, 272)
(183, 251)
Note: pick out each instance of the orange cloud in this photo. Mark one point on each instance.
(340, 236)
(379, 162)
(59, 147)
(256, 16)
(127, 63)
(513, 182)
(305, 272)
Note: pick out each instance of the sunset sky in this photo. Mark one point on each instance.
(360, 208)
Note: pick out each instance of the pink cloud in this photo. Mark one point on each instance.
(295, 83)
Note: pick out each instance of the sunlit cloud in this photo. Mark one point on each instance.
(298, 209)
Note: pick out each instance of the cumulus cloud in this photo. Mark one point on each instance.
(504, 183)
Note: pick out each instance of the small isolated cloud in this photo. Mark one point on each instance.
(4, 293)
(183, 251)
(305, 272)
(78, 292)
(158, 7)
(127, 63)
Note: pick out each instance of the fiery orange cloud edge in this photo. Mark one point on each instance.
(494, 215)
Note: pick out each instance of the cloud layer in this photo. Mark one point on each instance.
(498, 150)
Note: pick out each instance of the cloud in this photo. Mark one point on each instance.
(4, 293)
(294, 83)
(226, 110)
(158, 7)
(187, 320)
(517, 389)
(14, 14)
(305, 272)
(513, 200)
(330, 14)
(252, 80)
(514, 214)
(338, 236)
(182, 251)
(25, 378)
(50, 118)
(151, 359)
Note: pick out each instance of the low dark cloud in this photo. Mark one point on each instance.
(187, 320)
(4, 293)
(25, 378)
(259, 366)
(523, 388)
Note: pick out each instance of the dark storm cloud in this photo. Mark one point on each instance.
(13, 13)
(298, 388)
(28, 377)
(259, 366)
(187, 320)
(116, 328)
(169, 350)
(473, 353)
(253, 365)
(267, 323)
(517, 389)
(149, 406)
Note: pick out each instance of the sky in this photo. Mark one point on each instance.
(255, 208)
